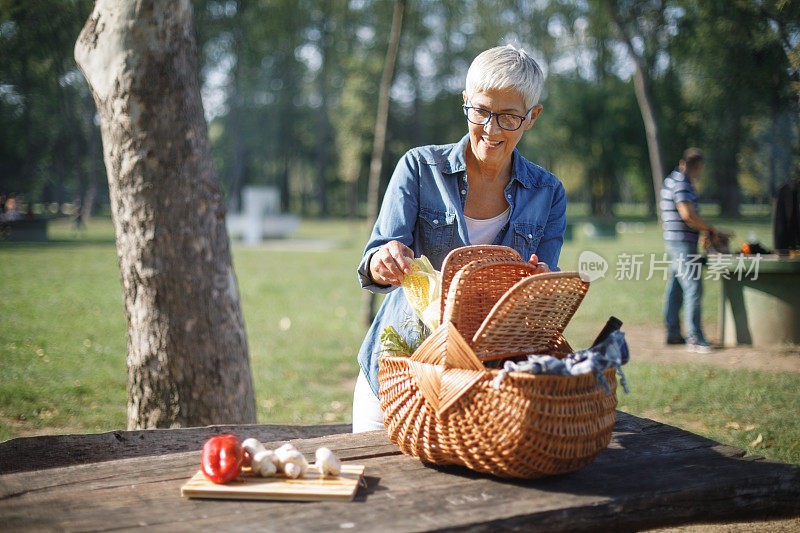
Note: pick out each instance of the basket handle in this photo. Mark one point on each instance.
(445, 367)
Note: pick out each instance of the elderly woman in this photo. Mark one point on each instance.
(477, 191)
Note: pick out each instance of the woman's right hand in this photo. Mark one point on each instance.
(390, 264)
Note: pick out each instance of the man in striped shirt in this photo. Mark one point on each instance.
(682, 226)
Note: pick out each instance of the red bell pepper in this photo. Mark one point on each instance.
(222, 458)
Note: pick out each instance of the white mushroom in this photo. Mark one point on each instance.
(252, 447)
(327, 462)
(283, 451)
(293, 470)
(291, 461)
(285, 448)
(263, 463)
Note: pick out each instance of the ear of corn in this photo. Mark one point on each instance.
(422, 288)
(416, 285)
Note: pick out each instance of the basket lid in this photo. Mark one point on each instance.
(531, 316)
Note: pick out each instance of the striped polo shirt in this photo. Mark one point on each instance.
(677, 188)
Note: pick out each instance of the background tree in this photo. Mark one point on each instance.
(187, 353)
(733, 67)
(645, 23)
(284, 79)
(784, 16)
(46, 146)
(379, 140)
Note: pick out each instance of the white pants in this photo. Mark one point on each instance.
(367, 415)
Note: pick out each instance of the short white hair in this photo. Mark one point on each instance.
(506, 67)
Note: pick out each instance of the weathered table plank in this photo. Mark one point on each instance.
(35, 453)
(651, 475)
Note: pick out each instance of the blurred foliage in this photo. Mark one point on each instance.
(737, 80)
(290, 90)
(49, 143)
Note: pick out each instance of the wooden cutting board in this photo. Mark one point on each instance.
(313, 487)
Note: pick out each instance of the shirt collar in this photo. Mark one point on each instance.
(456, 162)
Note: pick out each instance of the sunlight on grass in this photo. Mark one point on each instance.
(733, 407)
(62, 336)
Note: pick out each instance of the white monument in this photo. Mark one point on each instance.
(260, 217)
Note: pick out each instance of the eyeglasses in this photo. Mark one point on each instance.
(506, 121)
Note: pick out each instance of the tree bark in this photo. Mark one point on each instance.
(379, 141)
(187, 351)
(642, 85)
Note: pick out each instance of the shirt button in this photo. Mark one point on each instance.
(435, 221)
(530, 236)
(463, 191)
(508, 196)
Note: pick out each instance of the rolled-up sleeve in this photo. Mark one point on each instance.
(397, 217)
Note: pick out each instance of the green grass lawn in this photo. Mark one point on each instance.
(62, 336)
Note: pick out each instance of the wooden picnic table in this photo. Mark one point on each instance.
(651, 475)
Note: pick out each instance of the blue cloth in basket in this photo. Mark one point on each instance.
(611, 352)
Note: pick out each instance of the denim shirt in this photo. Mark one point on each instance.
(423, 208)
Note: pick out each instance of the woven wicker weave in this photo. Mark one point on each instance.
(477, 287)
(440, 404)
(531, 426)
(460, 257)
(531, 317)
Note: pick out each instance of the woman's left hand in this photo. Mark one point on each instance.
(541, 267)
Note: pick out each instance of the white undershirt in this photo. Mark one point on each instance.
(483, 231)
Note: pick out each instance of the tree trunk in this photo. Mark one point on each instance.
(379, 141)
(642, 85)
(187, 352)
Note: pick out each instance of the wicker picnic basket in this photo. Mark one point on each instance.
(441, 405)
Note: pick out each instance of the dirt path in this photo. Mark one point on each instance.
(647, 343)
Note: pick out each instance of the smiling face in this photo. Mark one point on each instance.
(491, 145)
